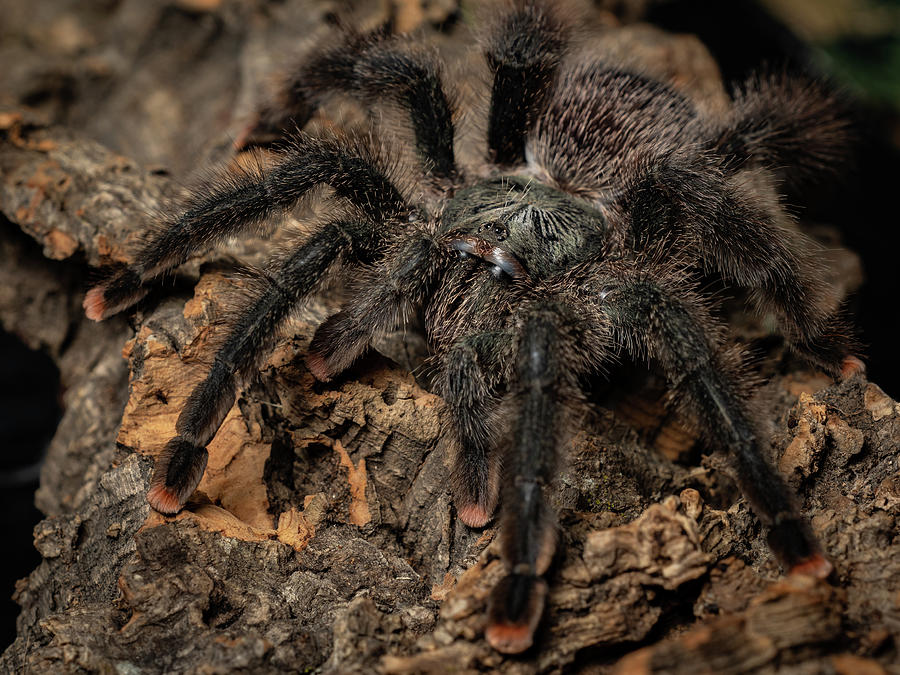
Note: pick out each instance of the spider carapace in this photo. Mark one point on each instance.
(522, 227)
(605, 198)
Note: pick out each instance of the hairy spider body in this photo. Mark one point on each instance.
(607, 194)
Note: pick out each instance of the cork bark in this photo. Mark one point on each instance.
(323, 537)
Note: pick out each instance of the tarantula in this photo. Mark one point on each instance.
(606, 195)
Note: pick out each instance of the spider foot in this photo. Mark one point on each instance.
(178, 471)
(514, 611)
(474, 515)
(476, 487)
(244, 138)
(336, 344)
(816, 565)
(852, 365)
(118, 292)
(318, 366)
(94, 304)
(164, 500)
(793, 542)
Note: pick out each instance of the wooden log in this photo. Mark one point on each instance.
(323, 536)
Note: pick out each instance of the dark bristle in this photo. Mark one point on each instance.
(377, 67)
(795, 126)
(523, 53)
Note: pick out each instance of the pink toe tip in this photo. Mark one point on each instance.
(816, 565)
(851, 366)
(94, 304)
(474, 515)
(318, 366)
(163, 500)
(510, 638)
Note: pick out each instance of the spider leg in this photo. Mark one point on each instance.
(543, 382)
(472, 401)
(742, 238)
(380, 300)
(243, 200)
(376, 66)
(180, 466)
(671, 327)
(383, 297)
(796, 127)
(523, 53)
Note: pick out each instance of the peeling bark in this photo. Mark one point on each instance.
(323, 536)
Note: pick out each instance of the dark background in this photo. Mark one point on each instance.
(854, 43)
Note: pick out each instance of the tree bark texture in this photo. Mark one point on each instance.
(323, 537)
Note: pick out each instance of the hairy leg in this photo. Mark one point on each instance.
(544, 381)
(382, 297)
(180, 466)
(796, 127)
(376, 67)
(523, 52)
(471, 393)
(241, 201)
(654, 319)
(735, 225)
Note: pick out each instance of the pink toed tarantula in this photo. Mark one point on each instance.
(607, 195)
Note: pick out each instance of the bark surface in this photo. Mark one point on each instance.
(323, 537)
